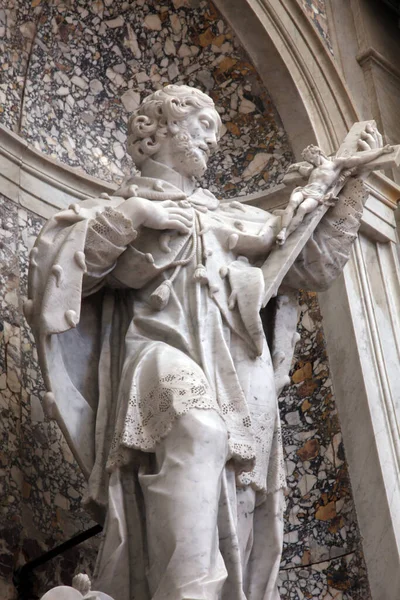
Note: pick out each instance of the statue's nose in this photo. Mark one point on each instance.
(211, 142)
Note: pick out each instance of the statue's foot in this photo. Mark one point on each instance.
(281, 237)
(330, 200)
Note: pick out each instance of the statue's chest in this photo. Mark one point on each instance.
(214, 229)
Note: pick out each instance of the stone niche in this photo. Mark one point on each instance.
(75, 72)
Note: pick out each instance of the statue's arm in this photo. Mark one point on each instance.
(328, 250)
(110, 233)
(108, 236)
(304, 168)
(362, 158)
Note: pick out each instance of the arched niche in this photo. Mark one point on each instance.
(315, 106)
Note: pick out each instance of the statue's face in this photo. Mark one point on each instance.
(191, 142)
(314, 158)
(317, 159)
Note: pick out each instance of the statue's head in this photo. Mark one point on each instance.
(177, 126)
(312, 154)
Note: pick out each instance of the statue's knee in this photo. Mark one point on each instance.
(296, 198)
(302, 210)
(206, 433)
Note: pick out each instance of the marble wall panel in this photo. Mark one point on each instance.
(322, 555)
(343, 578)
(40, 483)
(18, 24)
(10, 411)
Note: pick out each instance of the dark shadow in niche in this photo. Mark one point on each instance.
(24, 577)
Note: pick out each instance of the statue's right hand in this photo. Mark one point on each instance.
(166, 214)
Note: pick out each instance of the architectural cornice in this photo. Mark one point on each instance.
(43, 185)
(371, 55)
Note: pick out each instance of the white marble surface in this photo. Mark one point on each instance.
(367, 51)
(365, 364)
(327, 123)
(64, 592)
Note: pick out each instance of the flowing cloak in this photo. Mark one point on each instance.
(118, 372)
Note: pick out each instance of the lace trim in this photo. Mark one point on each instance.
(269, 451)
(122, 455)
(150, 416)
(114, 226)
(255, 444)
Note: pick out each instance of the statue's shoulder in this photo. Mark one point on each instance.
(149, 188)
(81, 210)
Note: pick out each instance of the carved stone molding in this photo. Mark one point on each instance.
(361, 323)
(361, 310)
(366, 46)
(304, 82)
(38, 182)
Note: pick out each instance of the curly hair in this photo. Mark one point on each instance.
(311, 151)
(159, 114)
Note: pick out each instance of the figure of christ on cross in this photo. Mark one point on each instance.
(323, 175)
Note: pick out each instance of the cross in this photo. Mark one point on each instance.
(281, 258)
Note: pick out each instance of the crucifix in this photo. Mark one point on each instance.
(324, 185)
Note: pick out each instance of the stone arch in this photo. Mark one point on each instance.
(297, 69)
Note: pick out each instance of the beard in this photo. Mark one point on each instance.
(193, 160)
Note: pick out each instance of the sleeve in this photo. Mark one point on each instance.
(328, 250)
(108, 236)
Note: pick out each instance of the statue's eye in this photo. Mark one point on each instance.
(205, 123)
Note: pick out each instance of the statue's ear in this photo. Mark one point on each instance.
(173, 126)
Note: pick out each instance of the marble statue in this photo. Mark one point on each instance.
(146, 311)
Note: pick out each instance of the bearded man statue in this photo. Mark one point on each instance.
(146, 311)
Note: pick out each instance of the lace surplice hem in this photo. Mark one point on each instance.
(255, 445)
